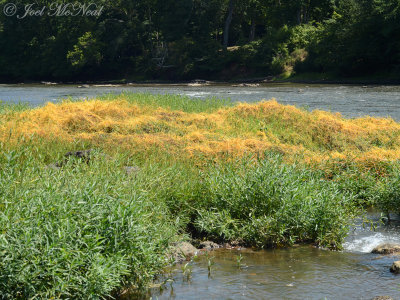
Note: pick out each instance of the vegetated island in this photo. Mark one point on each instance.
(167, 169)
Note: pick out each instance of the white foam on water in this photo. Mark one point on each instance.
(365, 241)
(197, 94)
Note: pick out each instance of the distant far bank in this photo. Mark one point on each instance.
(306, 78)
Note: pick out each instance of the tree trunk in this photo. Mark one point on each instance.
(252, 31)
(190, 14)
(305, 16)
(307, 9)
(299, 16)
(228, 23)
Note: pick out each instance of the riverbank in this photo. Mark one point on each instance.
(303, 78)
(164, 169)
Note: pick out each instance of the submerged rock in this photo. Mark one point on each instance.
(198, 82)
(383, 298)
(386, 249)
(106, 85)
(246, 85)
(395, 268)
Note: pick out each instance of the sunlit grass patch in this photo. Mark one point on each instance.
(208, 128)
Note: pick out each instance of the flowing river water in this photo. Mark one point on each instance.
(300, 272)
(351, 101)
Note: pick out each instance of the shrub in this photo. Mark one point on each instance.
(81, 232)
(270, 203)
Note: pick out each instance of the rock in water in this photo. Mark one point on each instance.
(395, 268)
(386, 249)
(383, 298)
(183, 251)
(208, 245)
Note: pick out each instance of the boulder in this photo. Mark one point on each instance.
(387, 248)
(395, 268)
(183, 251)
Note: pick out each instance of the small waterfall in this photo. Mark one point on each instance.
(364, 239)
(368, 242)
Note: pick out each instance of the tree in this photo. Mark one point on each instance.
(228, 23)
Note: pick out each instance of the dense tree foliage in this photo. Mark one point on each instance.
(186, 39)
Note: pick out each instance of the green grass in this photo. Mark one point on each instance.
(173, 102)
(80, 232)
(88, 231)
(6, 107)
(271, 203)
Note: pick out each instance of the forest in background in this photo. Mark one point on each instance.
(210, 39)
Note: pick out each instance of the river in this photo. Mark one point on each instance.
(300, 272)
(351, 101)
